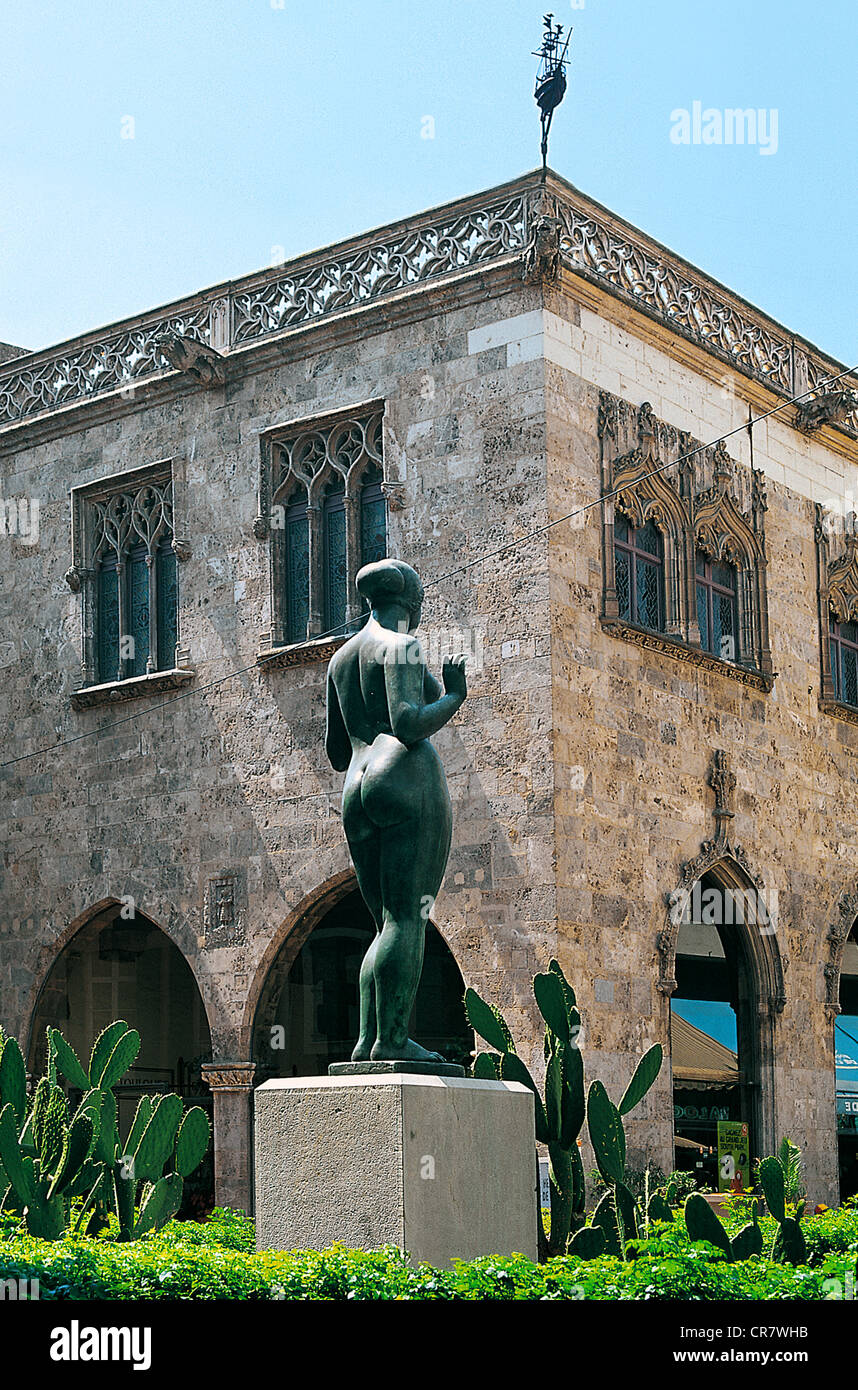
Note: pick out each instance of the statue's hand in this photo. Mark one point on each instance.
(455, 682)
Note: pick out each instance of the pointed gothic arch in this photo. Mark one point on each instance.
(746, 922)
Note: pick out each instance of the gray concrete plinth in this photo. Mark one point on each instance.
(443, 1167)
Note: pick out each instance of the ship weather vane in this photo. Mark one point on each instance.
(551, 77)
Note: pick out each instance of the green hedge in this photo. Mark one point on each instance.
(216, 1260)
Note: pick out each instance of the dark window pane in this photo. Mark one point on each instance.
(703, 616)
(727, 624)
(648, 538)
(137, 577)
(621, 527)
(648, 594)
(373, 523)
(850, 676)
(167, 591)
(701, 563)
(297, 573)
(107, 623)
(849, 632)
(335, 560)
(624, 597)
(724, 575)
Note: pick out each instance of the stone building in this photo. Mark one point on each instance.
(654, 775)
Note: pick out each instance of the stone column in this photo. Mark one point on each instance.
(232, 1087)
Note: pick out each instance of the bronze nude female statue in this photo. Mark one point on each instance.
(382, 708)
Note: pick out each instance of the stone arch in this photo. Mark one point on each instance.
(318, 977)
(294, 930)
(96, 913)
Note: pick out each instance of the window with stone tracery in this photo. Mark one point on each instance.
(125, 568)
(327, 516)
(683, 546)
(837, 586)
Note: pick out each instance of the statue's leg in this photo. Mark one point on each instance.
(364, 846)
(413, 859)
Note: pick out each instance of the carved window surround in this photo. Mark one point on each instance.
(837, 595)
(714, 506)
(306, 457)
(109, 518)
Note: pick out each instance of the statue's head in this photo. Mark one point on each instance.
(388, 585)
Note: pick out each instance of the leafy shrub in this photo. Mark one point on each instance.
(216, 1260)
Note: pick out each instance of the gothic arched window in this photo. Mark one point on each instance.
(327, 516)
(639, 564)
(717, 607)
(130, 581)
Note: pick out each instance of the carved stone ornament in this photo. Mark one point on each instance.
(226, 909)
(194, 358)
(229, 1076)
(473, 234)
(772, 960)
(541, 259)
(834, 407)
(839, 931)
(74, 579)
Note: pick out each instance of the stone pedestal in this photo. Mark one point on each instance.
(443, 1167)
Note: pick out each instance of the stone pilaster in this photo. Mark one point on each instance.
(232, 1086)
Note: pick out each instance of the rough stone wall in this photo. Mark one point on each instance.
(235, 776)
(635, 731)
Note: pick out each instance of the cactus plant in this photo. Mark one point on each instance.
(561, 1113)
(47, 1159)
(702, 1223)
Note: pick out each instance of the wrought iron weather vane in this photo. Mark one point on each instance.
(551, 76)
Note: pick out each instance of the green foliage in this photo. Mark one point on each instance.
(560, 1115)
(55, 1169)
(790, 1158)
(217, 1260)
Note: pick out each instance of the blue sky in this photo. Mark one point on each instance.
(267, 124)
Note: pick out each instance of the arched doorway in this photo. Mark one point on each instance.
(307, 1016)
(128, 968)
(720, 1021)
(846, 1068)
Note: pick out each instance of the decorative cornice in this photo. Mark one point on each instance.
(157, 683)
(682, 651)
(508, 225)
(302, 654)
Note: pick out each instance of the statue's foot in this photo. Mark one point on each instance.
(409, 1051)
(361, 1051)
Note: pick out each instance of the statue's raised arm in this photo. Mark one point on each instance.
(382, 708)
